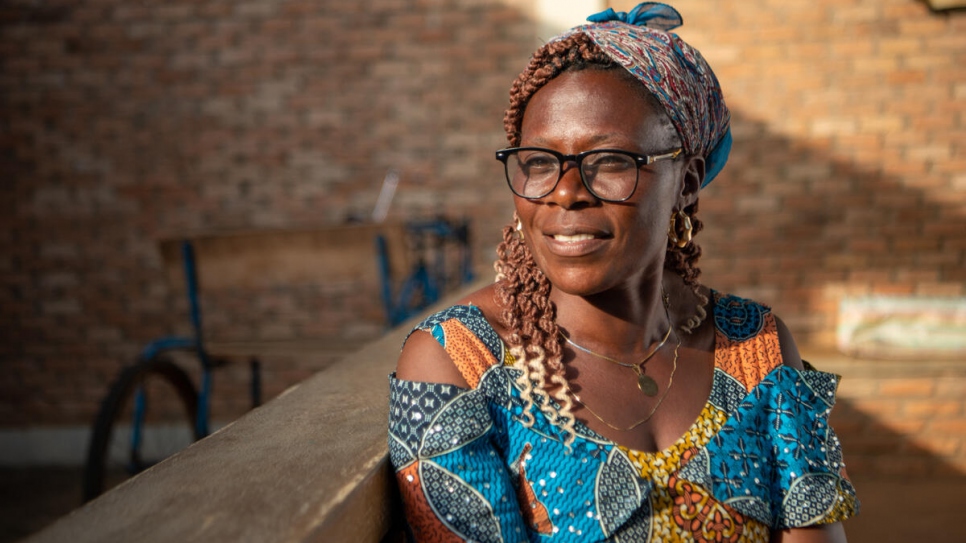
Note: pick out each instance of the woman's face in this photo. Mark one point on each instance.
(583, 245)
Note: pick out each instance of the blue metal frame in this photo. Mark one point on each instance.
(177, 343)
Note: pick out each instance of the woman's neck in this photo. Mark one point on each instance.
(620, 323)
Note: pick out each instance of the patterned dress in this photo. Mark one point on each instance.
(761, 455)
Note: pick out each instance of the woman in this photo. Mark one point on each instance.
(597, 391)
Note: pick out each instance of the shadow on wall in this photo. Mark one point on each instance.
(793, 225)
(907, 492)
(899, 418)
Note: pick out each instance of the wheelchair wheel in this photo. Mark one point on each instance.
(148, 415)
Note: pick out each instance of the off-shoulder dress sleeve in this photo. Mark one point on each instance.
(453, 479)
(776, 458)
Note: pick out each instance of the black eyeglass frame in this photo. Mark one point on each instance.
(641, 160)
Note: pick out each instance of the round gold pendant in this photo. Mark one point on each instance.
(647, 385)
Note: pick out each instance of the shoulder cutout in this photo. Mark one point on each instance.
(424, 359)
(466, 344)
(789, 350)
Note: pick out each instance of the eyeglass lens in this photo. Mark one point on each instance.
(608, 175)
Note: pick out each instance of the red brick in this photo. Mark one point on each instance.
(852, 388)
(878, 445)
(951, 388)
(903, 427)
(940, 289)
(905, 388)
(901, 466)
(952, 428)
(932, 408)
(941, 447)
(876, 407)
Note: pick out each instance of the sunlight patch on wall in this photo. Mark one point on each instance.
(555, 16)
(903, 327)
(552, 17)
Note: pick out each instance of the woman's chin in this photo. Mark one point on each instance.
(583, 285)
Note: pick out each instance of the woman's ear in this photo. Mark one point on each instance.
(691, 181)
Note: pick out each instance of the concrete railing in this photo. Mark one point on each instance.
(310, 465)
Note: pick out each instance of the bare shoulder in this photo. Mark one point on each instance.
(424, 359)
(790, 354)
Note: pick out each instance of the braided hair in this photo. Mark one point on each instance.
(522, 290)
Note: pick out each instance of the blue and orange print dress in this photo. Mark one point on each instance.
(761, 455)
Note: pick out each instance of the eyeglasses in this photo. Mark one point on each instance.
(609, 174)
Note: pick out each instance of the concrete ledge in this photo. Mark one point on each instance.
(310, 465)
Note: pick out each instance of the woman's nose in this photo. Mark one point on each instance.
(570, 189)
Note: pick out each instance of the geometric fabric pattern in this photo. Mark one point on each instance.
(760, 456)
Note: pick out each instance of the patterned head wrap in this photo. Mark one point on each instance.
(673, 71)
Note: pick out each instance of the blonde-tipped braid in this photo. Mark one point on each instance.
(523, 293)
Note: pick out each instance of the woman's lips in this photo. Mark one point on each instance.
(574, 244)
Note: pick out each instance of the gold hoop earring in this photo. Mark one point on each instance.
(519, 226)
(672, 230)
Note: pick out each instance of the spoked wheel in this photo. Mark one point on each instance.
(148, 415)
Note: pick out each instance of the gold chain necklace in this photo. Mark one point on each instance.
(653, 410)
(645, 382)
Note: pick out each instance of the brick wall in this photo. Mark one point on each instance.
(124, 123)
(848, 175)
(903, 421)
(127, 122)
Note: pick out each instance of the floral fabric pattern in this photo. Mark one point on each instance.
(761, 455)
